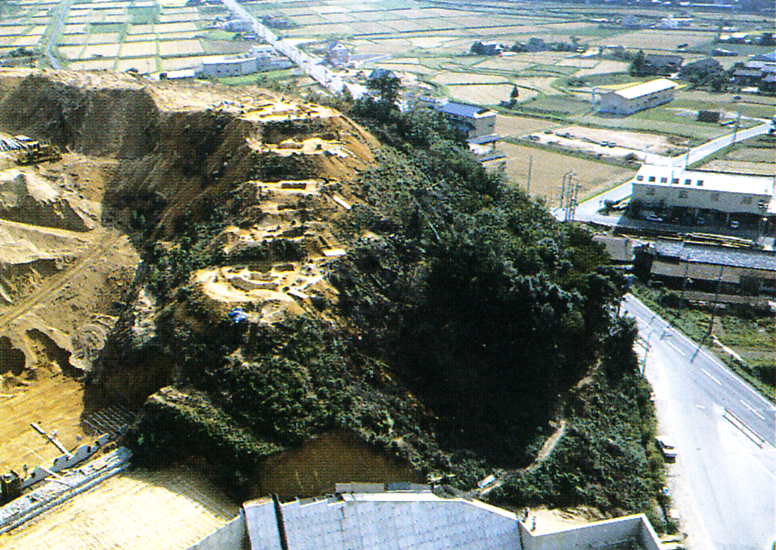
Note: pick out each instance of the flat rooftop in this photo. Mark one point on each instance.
(710, 181)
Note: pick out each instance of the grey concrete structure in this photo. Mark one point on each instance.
(415, 519)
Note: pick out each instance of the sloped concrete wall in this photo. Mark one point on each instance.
(229, 537)
(262, 525)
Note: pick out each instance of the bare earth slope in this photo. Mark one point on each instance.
(141, 157)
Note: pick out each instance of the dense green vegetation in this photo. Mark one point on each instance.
(471, 316)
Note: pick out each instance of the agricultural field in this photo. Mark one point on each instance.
(753, 156)
(548, 168)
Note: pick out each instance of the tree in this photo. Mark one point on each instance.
(638, 65)
(387, 86)
(477, 48)
(513, 96)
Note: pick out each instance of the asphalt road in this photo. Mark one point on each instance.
(724, 480)
(588, 211)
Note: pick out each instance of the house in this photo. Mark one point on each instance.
(473, 120)
(620, 249)
(337, 54)
(380, 73)
(768, 83)
(700, 68)
(662, 64)
(700, 268)
(369, 517)
(747, 77)
(761, 61)
(238, 25)
(719, 194)
(646, 95)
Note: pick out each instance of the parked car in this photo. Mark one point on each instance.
(654, 218)
(701, 221)
(734, 224)
(667, 447)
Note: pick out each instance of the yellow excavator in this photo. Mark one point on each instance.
(33, 152)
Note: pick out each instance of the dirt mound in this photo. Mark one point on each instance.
(25, 196)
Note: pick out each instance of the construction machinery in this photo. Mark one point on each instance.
(33, 152)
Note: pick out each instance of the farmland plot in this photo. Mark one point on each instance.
(467, 78)
(481, 94)
(104, 50)
(142, 64)
(93, 65)
(548, 168)
(138, 49)
(655, 40)
(180, 47)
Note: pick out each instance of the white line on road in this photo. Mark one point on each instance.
(748, 406)
(710, 376)
(638, 303)
(680, 352)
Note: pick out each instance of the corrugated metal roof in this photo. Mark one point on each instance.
(732, 257)
(462, 109)
(646, 88)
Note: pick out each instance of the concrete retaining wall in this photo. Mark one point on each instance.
(62, 462)
(603, 534)
(231, 536)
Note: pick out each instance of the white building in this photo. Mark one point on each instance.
(627, 101)
(410, 519)
(337, 54)
(259, 58)
(670, 187)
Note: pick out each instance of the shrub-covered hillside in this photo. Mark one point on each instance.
(459, 324)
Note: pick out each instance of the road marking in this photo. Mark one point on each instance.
(639, 304)
(761, 417)
(680, 352)
(710, 376)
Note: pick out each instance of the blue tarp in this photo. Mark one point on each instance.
(237, 315)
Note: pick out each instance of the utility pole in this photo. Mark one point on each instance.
(570, 190)
(713, 312)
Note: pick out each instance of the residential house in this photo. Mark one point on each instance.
(337, 54)
(662, 64)
(700, 68)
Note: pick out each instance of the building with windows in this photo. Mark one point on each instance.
(258, 59)
(664, 187)
(475, 121)
(632, 99)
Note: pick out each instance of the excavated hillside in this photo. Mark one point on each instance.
(143, 163)
(280, 296)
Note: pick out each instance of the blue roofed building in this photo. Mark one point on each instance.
(475, 121)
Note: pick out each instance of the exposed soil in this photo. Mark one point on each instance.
(175, 507)
(137, 154)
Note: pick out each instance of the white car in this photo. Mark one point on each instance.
(667, 447)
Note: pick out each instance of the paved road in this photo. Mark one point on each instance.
(588, 210)
(67, 4)
(327, 78)
(724, 481)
